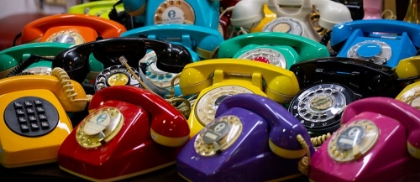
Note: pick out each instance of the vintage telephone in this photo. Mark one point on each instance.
(129, 131)
(277, 48)
(96, 8)
(204, 13)
(70, 28)
(383, 42)
(201, 42)
(216, 79)
(292, 16)
(408, 68)
(330, 84)
(356, 151)
(12, 59)
(252, 139)
(372, 9)
(355, 7)
(34, 116)
(171, 58)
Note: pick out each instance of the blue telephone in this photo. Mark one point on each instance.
(200, 42)
(203, 13)
(383, 42)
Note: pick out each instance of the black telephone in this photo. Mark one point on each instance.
(330, 84)
(170, 57)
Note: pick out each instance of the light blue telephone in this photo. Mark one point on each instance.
(201, 42)
(203, 13)
(383, 42)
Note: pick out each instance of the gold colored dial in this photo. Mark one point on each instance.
(68, 36)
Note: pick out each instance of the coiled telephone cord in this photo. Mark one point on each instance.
(68, 87)
(319, 140)
(304, 162)
(172, 100)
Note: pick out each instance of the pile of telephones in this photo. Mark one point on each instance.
(228, 90)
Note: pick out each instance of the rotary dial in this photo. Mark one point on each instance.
(206, 106)
(265, 55)
(115, 75)
(67, 36)
(284, 24)
(352, 141)
(38, 70)
(374, 51)
(158, 77)
(174, 11)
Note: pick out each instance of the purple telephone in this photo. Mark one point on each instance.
(379, 140)
(252, 139)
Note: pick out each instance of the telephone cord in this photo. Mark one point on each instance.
(319, 140)
(171, 100)
(68, 87)
(305, 161)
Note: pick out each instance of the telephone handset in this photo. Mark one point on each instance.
(365, 78)
(34, 116)
(246, 126)
(70, 28)
(107, 51)
(280, 49)
(129, 131)
(217, 79)
(383, 42)
(11, 59)
(370, 127)
(355, 7)
(97, 8)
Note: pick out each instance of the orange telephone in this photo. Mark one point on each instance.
(70, 28)
(129, 131)
(34, 120)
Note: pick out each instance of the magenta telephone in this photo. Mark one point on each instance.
(379, 140)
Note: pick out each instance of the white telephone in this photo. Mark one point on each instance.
(293, 16)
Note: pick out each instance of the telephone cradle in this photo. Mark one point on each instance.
(129, 131)
(252, 139)
(378, 141)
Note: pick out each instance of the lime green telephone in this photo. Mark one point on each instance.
(217, 79)
(277, 48)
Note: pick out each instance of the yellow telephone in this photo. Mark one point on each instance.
(217, 79)
(34, 116)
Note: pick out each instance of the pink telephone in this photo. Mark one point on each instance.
(379, 140)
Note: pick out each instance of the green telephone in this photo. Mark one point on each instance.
(277, 48)
(11, 58)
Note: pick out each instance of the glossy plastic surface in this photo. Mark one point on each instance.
(96, 8)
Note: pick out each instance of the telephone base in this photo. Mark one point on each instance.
(29, 163)
(118, 178)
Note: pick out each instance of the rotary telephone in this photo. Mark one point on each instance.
(96, 8)
(252, 138)
(292, 16)
(170, 57)
(204, 13)
(70, 28)
(34, 116)
(276, 48)
(129, 131)
(330, 84)
(356, 151)
(14, 60)
(383, 42)
(355, 7)
(217, 79)
(201, 42)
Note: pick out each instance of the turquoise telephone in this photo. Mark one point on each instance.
(11, 60)
(277, 48)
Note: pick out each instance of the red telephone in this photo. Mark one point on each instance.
(129, 131)
(70, 28)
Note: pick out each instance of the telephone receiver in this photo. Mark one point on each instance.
(280, 49)
(104, 139)
(383, 41)
(97, 8)
(34, 116)
(366, 78)
(215, 79)
(240, 121)
(375, 125)
(355, 7)
(107, 51)
(70, 28)
(12, 59)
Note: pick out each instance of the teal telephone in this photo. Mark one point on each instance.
(12, 59)
(277, 48)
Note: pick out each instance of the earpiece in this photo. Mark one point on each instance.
(168, 126)
(408, 116)
(331, 13)
(283, 127)
(247, 13)
(134, 7)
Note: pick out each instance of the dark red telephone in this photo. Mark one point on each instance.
(224, 20)
(129, 131)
